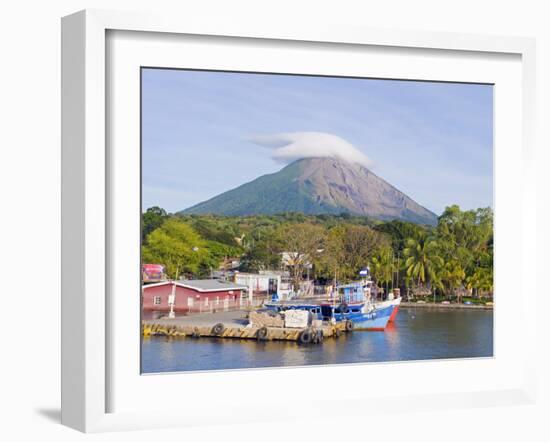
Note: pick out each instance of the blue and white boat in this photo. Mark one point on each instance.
(358, 307)
(351, 303)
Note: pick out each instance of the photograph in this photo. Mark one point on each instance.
(292, 220)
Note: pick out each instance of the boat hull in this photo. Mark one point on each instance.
(394, 303)
(377, 320)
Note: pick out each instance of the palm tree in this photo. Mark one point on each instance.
(382, 267)
(481, 280)
(422, 261)
(453, 274)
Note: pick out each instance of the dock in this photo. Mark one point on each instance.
(234, 325)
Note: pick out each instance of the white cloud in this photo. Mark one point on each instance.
(295, 145)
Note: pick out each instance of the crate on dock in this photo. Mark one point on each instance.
(260, 319)
(297, 318)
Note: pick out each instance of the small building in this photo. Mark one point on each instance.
(267, 284)
(259, 285)
(197, 295)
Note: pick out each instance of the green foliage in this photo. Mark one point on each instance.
(383, 266)
(262, 250)
(454, 256)
(400, 231)
(302, 242)
(217, 252)
(151, 220)
(422, 260)
(466, 244)
(177, 246)
(348, 248)
(452, 274)
(216, 229)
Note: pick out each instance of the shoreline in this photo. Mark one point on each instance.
(447, 306)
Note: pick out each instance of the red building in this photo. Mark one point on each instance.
(199, 295)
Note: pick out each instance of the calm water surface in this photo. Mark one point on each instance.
(416, 334)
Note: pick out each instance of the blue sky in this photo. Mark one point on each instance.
(433, 141)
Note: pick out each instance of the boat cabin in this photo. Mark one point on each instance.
(352, 293)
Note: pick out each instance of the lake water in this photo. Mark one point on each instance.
(417, 334)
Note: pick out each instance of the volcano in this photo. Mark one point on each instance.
(318, 186)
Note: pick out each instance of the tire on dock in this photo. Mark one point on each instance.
(349, 325)
(218, 329)
(262, 334)
(305, 336)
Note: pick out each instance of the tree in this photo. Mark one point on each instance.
(360, 244)
(301, 243)
(263, 249)
(177, 246)
(422, 260)
(348, 248)
(332, 257)
(468, 230)
(217, 253)
(452, 274)
(465, 239)
(214, 228)
(382, 267)
(481, 280)
(152, 219)
(399, 232)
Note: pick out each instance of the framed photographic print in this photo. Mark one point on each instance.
(249, 207)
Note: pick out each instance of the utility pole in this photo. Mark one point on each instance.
(172, 301)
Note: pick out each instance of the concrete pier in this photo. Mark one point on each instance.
(235, 325)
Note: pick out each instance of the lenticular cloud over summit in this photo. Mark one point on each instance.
(296, 145)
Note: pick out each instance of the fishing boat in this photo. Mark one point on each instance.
(350, 303)
(392, 303)
(357, 306)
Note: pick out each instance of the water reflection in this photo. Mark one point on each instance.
(417, 334)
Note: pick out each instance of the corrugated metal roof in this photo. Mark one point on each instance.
(209, 285)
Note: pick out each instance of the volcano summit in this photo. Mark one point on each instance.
(316, 186)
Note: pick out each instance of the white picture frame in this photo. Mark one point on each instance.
(87, 353)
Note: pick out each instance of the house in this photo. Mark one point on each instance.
(266, 284)
(197, 295)
(258, 285)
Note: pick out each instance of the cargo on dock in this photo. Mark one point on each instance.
(235, 325)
